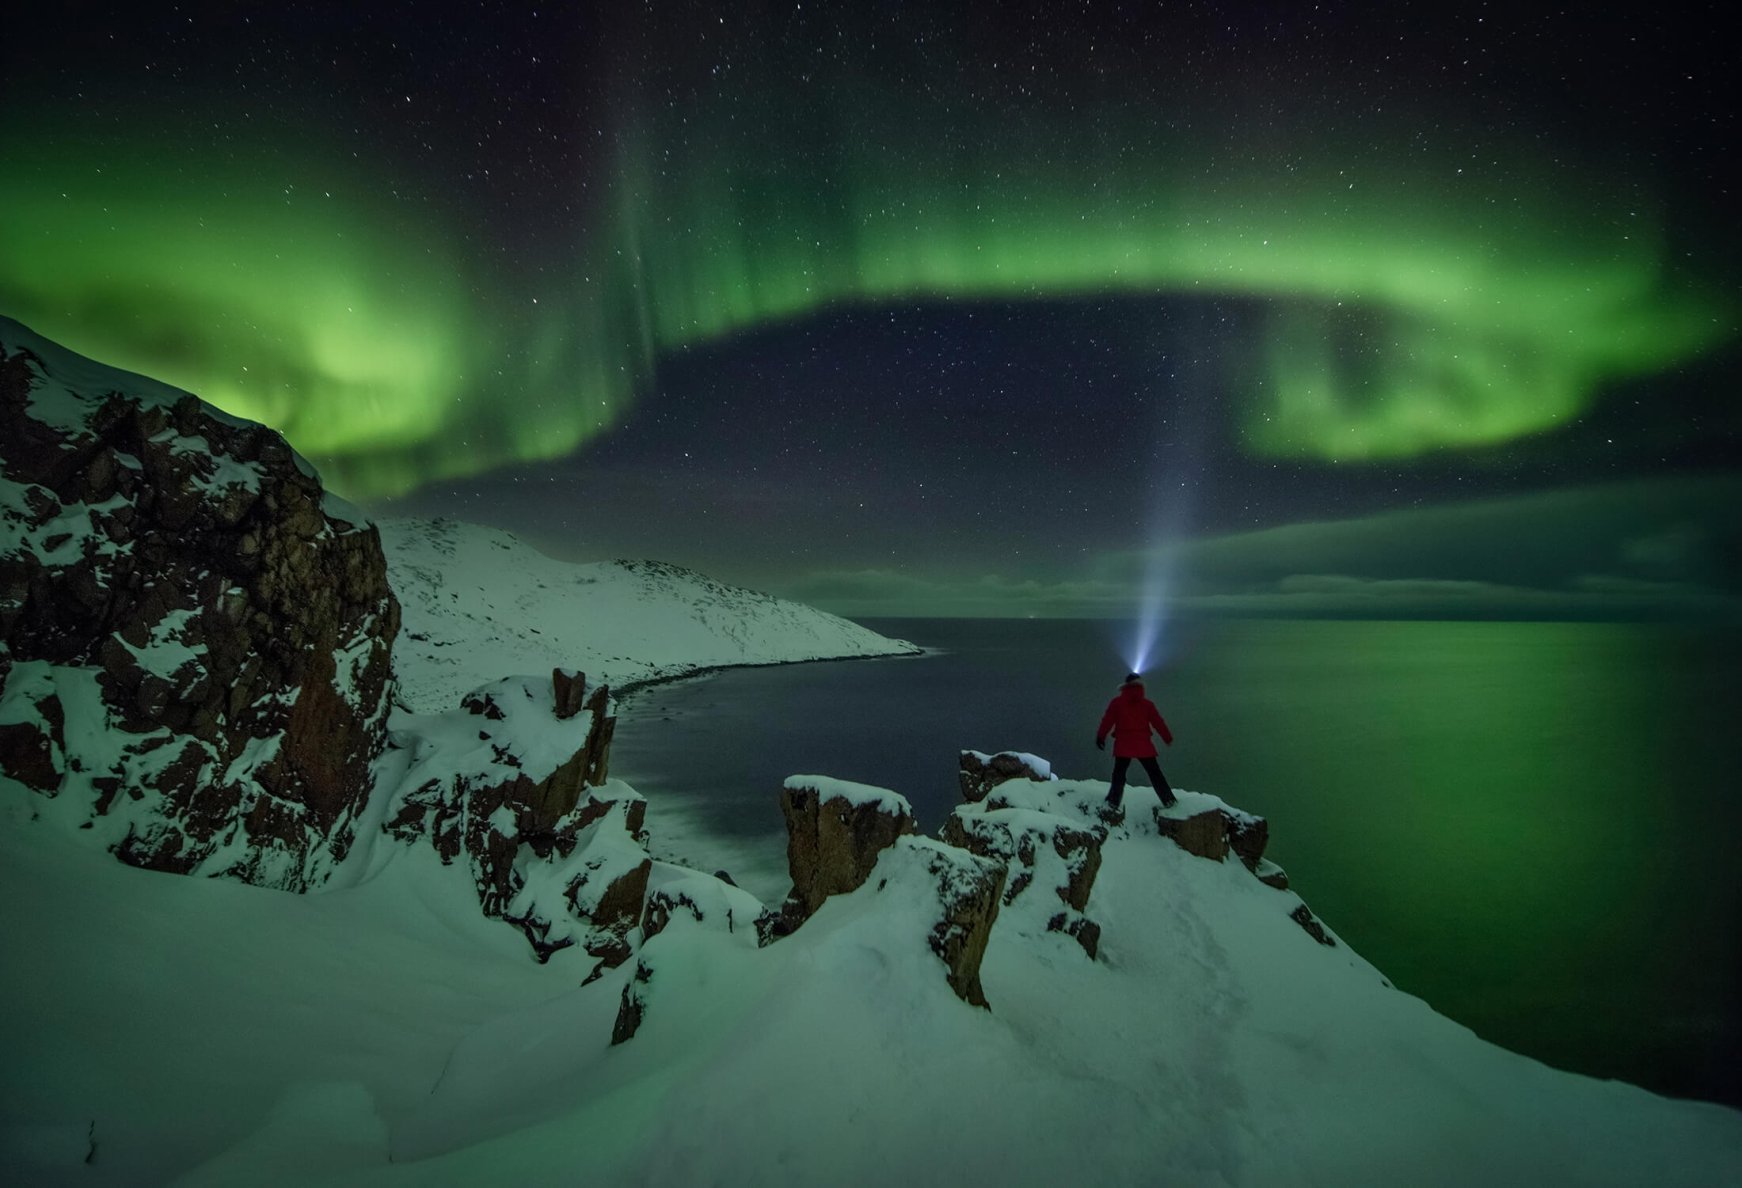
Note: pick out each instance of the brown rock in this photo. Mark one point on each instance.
(1248, 836)
(1037, 848)
(832, 844)
(617, 912)
(979, 775)
(632, 1009)
(968, 888)
(661, 906)
(219, 547)
(1204, 834)
(1079, 928)
(491, 812)
(991, 836)
(570, 687)
(597, 766)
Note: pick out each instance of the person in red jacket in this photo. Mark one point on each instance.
(1129, 717)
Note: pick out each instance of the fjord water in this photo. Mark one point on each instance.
(1533, 826)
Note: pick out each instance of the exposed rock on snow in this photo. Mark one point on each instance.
(834, 832)
(1052, 863)
(1204, 834)
(478, 602)
(632, 1006)
(967, 889)
(523, 793)
(194, 640)
(1303, 916)
(1210, 829)
(844, 840)
(1213, 1042)
(688, 904)
(980, 772)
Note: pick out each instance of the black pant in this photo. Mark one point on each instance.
(1156, 779)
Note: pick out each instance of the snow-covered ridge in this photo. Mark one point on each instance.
(1206, 1036)
(479, 603)
(1159, 1007)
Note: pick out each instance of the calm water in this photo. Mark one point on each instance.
(1530, 825)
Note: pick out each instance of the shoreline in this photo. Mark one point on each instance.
(700, 846)
(622, 693)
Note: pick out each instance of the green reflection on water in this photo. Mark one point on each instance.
(1520, 822)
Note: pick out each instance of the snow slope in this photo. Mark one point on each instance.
(162, 1029)
(387, 1034)
(479, 604)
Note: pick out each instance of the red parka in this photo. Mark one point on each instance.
(1129, 716)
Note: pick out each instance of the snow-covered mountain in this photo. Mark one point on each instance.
(478, 603)
(490, 979)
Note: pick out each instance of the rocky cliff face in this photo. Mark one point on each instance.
(194, 638)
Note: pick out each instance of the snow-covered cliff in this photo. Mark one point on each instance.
(478, 604)
(194, 637)
(1049, 992)
(1214, 1033)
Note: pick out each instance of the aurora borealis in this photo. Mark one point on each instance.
(949, 315)
(1318, 265)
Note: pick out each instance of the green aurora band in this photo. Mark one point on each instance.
(1410, 302)
(361, 332)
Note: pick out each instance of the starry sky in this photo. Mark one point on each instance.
(1026, 309)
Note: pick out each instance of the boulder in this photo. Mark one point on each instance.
(835, 830)
(979, 772)
(1204, 826)
(1020, 837)
(1247, 837)
(1079, 928)
(1204, 834)
(187, 616)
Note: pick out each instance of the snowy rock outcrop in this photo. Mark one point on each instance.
(1052, 862)
(686, 910)
(516, 784)
(1047, 832)
(835, 831)
(1216, 831)
(961, 893)
(841, 835)
(194, 638)
(979, 772)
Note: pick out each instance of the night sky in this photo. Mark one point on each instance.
(1400, 309)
